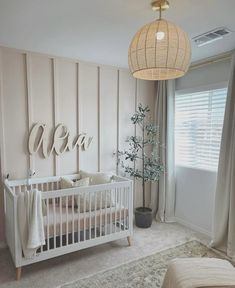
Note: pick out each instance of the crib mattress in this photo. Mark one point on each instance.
(58, 222)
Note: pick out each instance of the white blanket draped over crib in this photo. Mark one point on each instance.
(30, 222)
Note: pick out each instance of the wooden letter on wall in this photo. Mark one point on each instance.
(61, 140)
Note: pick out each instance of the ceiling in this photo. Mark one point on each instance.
(101, 30)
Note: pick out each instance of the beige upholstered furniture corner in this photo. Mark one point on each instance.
(199, 272)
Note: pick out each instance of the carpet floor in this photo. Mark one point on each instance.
(59, 271)
(146, 272)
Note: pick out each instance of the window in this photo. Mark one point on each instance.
(198, 127)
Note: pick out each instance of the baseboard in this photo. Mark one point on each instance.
(193, 226)
(3, 245)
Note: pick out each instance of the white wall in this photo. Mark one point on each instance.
(205, 77)
(195, 188)
(88, 98)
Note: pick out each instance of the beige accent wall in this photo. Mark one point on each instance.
(97, 100)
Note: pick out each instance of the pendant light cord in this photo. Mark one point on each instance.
(160, 12)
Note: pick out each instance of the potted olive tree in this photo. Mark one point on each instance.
(146, 166)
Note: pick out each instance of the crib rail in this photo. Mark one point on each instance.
(79, 217)
(42, 184)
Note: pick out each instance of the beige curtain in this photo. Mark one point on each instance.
(224, 209)
(163, 192)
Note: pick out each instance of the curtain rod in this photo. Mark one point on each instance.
(211, 60)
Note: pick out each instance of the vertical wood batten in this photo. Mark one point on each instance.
(99, 121)
(88, 114)
(78, 122)
(118, 119)
(2, 153)
(2, 144)
(108, 118)
(2, 134)
(135, 133)
(29, 102)
(144, 88)
(55, 109)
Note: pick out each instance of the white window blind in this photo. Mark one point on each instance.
(198, 127)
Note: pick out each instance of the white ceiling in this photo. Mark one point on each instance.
(100, 30)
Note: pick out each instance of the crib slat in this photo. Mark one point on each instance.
(101, 216)
(120, 210)
(128, 206)
(54, 221)
(127, 210)
(48, 234)
(67, 224)
(105, 227)
(73, 219)
(61, 227)
(95, 214)
(111, 213)
(124, 220)
(115, 217)
(84, 216)
(41, 248)
(89, 215)
(79, 211)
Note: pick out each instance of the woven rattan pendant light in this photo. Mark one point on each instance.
(160, 50)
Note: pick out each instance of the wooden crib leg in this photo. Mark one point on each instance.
(18, 273)
(129, 240)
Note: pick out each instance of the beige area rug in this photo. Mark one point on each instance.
(147, 272)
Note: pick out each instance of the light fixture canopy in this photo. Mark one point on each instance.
(160, 50)
(158, 5)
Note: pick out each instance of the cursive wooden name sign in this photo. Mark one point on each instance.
(61, 140)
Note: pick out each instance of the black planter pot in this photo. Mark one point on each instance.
(143, 217)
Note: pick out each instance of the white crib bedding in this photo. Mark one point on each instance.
(81, 220)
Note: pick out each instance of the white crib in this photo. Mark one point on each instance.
(66, 229)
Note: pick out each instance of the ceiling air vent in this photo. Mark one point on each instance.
(211, 36)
